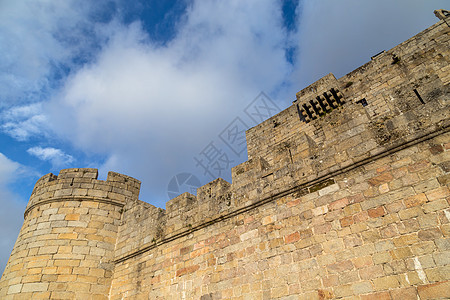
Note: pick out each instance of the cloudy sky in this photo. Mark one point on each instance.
(155, 89)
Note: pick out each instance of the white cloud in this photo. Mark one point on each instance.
(56, 156)
(38, 40)
(11, 212)
(22, 122)
(150, 109)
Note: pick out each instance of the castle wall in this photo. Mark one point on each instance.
(65, 249)
(345, 195)
(350, 201)
(380, 230)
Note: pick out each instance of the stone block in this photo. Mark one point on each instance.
(293, 237)
(428, 220)
(381, 257)
(439, 193)
(377, 212)
(436, 205)
(14, 289)
(34, 287)
(97, 193)
(338, 204)
(364, 261)
(340, 267)
(407, 239)
(333, 245)
(409, 293)
(410, 213)
(385, 283)
(439, 290)
(368, 273)
(437, 274)
(362, 287)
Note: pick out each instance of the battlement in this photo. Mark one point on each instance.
(82, 184)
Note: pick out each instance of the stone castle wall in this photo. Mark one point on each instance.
(65, 249)
(345, 195)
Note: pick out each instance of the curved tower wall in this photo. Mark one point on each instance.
(66, 245)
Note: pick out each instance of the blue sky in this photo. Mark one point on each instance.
(145, 87)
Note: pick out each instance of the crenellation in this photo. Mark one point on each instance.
(120, 180)
(183, 202)
(214, 198)
(345, 194)
(181, 213)
(77, 173)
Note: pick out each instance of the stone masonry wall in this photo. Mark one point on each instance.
(65, 249)
(345, 196)
(380, 231)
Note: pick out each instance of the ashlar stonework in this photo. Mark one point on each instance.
(345, 195)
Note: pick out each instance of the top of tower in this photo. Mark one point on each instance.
(82, 184)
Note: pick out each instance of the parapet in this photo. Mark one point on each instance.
(145, 226)
(82, 184)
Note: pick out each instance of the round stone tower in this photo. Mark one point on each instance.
(65, 249)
